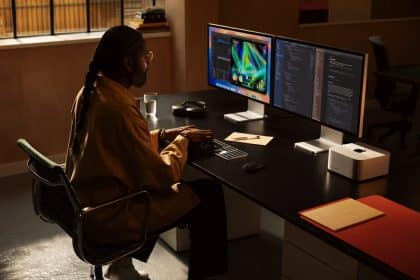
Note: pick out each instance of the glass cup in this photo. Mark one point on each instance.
(150, 103)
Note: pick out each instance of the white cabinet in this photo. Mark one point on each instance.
(243, 219)
(307, 257)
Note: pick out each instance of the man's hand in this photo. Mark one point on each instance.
(196, 135)
(172, 133)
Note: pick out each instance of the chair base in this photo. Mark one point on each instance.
(96, 272)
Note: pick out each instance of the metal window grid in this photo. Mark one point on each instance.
(22, 18)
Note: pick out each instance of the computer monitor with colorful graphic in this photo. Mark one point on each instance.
(239, 61)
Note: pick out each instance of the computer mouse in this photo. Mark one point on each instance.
(251, 167)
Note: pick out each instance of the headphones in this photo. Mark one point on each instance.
(190, 108)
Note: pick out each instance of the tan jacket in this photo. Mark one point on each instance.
(118, 156)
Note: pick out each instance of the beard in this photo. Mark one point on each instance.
(139, 77)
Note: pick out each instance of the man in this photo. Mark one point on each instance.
(111, 153)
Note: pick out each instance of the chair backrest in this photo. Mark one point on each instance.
(381, 55)
(384, 86)
(48, 176)
(50, 185)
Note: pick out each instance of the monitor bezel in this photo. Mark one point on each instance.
(271, 36)
(362, 98)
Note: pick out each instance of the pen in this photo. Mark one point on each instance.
(240, 138)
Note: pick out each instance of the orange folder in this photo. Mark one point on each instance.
(393, 238)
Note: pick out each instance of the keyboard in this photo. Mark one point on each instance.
(226, 151)
(214, 147)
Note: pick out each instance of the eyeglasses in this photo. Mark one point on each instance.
(148, 56)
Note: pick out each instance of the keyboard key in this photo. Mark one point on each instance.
(226, 151)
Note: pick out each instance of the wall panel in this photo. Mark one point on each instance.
(38, 86)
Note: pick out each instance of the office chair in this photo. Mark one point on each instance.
(55, 201)
(392, 96)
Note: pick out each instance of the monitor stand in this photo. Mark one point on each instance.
(255, 112)
(329, 138)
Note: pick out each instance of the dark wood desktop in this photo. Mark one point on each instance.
(291, 180)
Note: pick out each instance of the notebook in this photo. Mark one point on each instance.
(341, 214)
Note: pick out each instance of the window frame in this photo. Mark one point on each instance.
(52, 30)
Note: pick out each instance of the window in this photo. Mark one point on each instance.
(20, 18)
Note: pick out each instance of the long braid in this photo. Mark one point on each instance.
(84, 104)
(116, 44)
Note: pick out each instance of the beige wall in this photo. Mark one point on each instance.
(38, 86)
(344, 10)
(270, 16)
(280, 17)
(395, 9)
(399, 37)
(188, 20)
(175, 10)
(199, 14)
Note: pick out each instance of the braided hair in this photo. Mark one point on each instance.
(115, 45)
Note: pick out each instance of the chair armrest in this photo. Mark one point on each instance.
(89, 209)
(82, 248)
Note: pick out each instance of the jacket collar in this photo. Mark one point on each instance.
(122, 92)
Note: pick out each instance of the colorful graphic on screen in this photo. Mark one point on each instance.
(240, 62)
(249, 65)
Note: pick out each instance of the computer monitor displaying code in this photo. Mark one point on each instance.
(324, 84)
(239, 61)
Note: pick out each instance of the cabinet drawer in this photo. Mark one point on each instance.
(366, 273)
(321, 251)
(298, 265)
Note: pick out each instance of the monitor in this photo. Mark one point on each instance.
(324, 84)
(239, 61)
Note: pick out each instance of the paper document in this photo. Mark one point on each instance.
(341, 214)
(249, 138)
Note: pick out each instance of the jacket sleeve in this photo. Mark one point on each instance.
(133, 152)
(154, 137)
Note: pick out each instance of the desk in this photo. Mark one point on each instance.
(292, 180)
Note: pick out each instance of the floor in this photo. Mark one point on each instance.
(31, 249)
